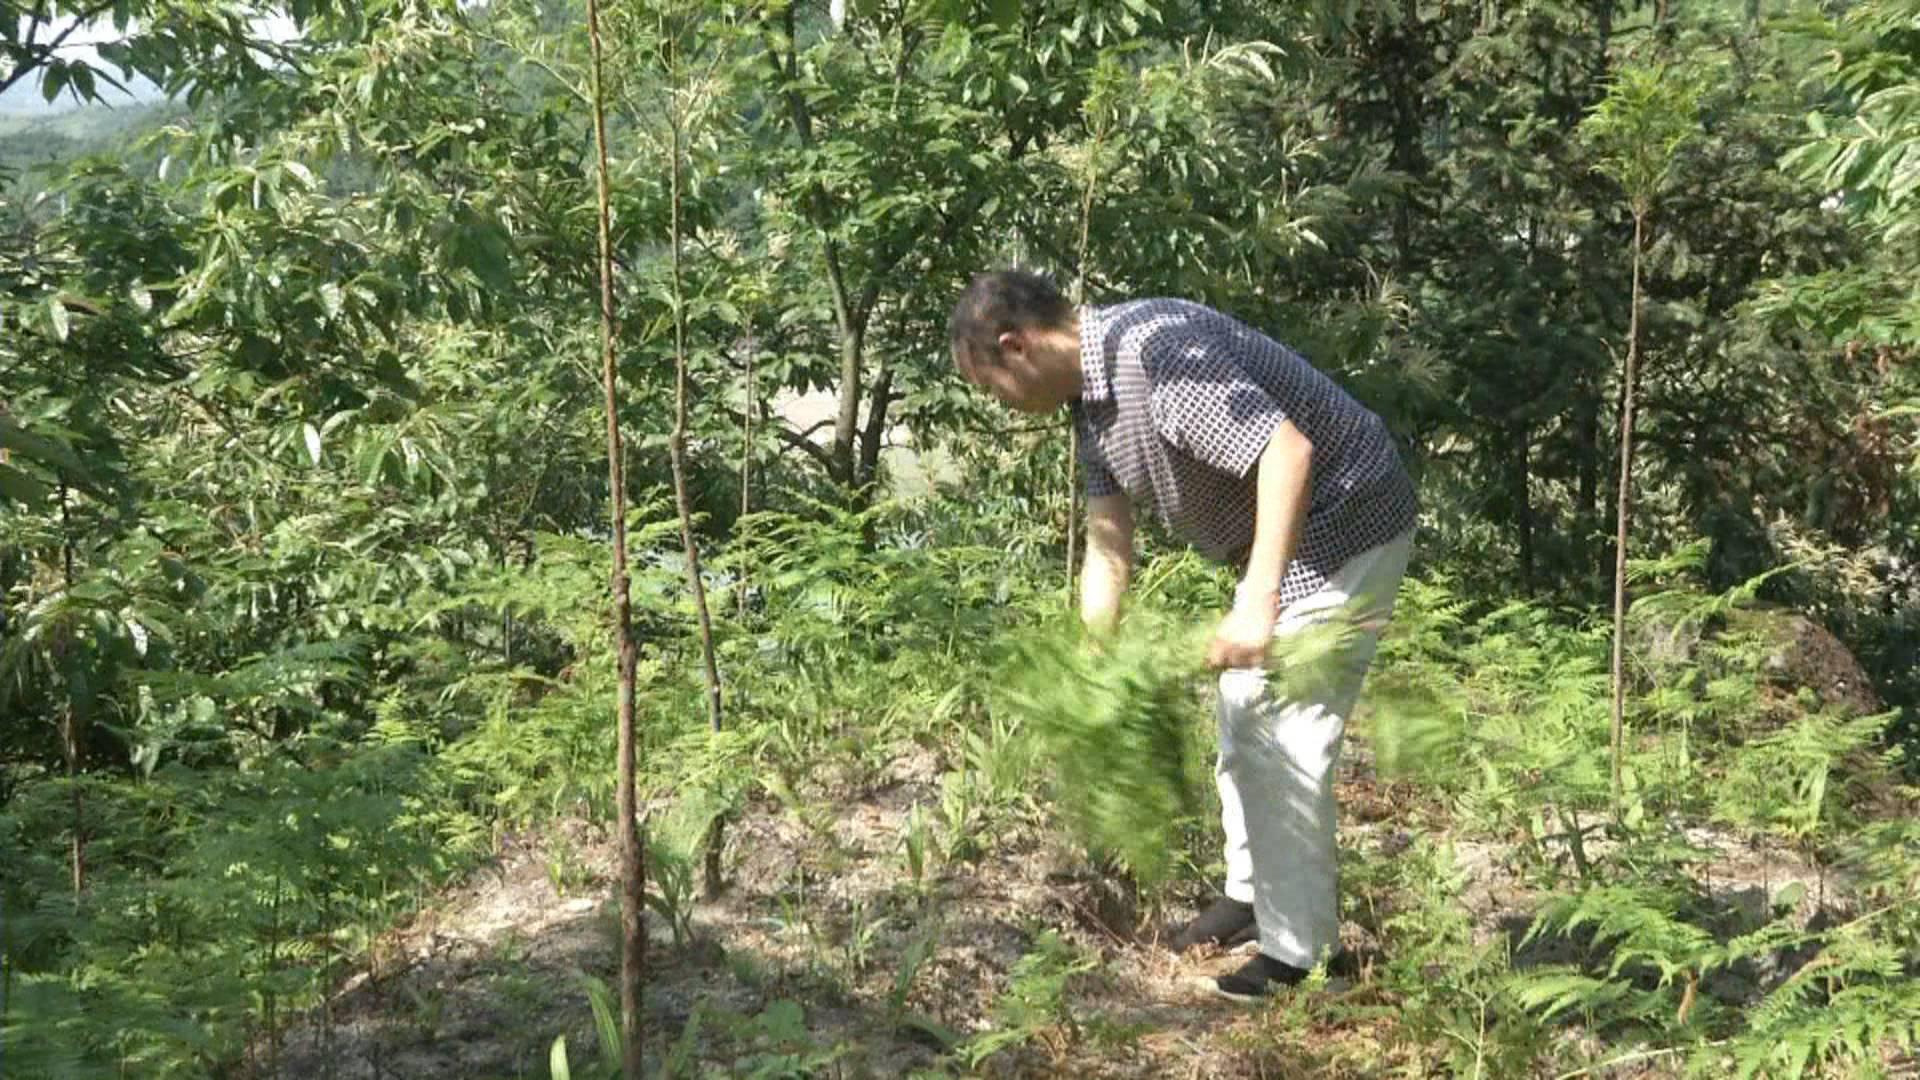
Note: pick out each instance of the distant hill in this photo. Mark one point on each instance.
(30, 143)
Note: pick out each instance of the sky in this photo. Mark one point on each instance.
(25, 99)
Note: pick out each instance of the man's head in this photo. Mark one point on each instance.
(1015, 336)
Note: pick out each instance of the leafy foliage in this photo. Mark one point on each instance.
(1116, 719)
(302, 518)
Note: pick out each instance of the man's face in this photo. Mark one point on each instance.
(1023, 376)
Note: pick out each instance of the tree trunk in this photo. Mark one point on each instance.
(746, 475)
(1587, 509)
(1408, 106)
(873, 435)
(849, 315)
(1073, 503)
(1079, 300)
(677, 451)
(846, 421)
(72, 728)
(1587, 506)
(1522, 481)
(633, 871)
(70, 736)
(1625, 517)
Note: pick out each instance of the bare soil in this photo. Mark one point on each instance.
(823, 913)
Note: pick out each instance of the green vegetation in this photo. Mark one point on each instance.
(34, 148)
(1117, 722)
(306, 653)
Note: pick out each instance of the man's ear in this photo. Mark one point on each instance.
(1012, 343)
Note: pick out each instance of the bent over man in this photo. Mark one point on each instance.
(1245, 451)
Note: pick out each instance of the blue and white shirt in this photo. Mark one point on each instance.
(1177, 403)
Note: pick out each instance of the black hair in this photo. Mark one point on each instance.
(997, 302)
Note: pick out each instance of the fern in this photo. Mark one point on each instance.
(1034, 1000)
(1635, 922)
(1116, 723)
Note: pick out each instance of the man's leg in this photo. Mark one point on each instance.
(1229, 921)
(1277, 765)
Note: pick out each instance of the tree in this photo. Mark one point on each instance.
(633, 880)
(1637, 129)
(199, 47)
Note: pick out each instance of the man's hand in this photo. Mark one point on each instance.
(1244, 636)
(1282, 497)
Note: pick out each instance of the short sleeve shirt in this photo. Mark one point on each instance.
(1177, 403)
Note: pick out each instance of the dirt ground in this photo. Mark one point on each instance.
(809, 956)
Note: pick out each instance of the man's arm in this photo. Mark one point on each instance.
(1283, 489)
(1103, 579)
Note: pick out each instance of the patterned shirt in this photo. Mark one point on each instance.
(1178, 402)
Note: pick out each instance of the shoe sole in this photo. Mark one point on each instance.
(1237, 997)
(1237, 940)
(1212, 986)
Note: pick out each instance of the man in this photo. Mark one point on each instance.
(1258, 460)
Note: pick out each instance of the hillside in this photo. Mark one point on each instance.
(30, 143)
(800, 539)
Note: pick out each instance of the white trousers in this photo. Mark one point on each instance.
(1277, 760)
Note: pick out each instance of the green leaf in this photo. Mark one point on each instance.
(557, 1059)
(784, 1021)
(45, 451)
(57, 318)
(20, 487)
(313, 441)
(53, 80)
(940, 1033)
(1005, 13)
(612, 1039)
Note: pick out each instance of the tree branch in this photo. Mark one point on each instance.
(794, 439)
(844, 311)
(1059, 259)
(575, 92)
(29, 62)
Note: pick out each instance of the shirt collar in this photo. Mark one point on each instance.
(1096, 382)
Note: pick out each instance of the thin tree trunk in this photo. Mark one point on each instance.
(506, 613)
(1523, 503)
(746, 474)
(1625, 518)
(633, 870)
(846, 420)
(1587, 509)
(79, 853)
(1073, 503)
(71, 729)
(849, 314)
(873, 435)
(677, 451)
(1587, 504)
(1079, 299)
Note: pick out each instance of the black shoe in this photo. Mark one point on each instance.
(1257, 979)
(1227, 923)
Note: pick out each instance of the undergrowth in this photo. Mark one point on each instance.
(232, 889)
